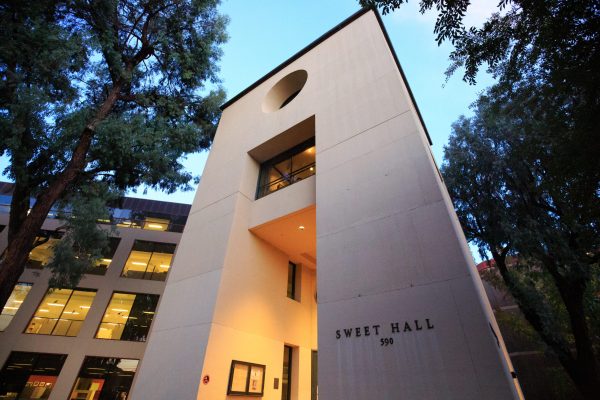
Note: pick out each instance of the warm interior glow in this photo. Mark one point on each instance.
(287, 235)
(65, 314)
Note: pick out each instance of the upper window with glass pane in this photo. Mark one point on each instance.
(128, 317)
(287, 168)
(107, 254)
(42, 252)
(149, 260)
(62, 312)
(13, 304)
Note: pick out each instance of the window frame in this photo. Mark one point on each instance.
(261, 187)
(154, 243)
(33, 368)
(95, 291)
(77, 377)
(247, 392)
(128, 317)
(113, 241)
(12, 316)
(288, 351)
(293, 273)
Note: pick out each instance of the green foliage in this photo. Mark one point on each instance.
(83, 242)
(110, 92)
(79, 52)
(560, 38)
(524, 176)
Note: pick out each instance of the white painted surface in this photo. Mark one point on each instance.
(389, 249)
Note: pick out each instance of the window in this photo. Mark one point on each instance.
(246, 379)
(287, 168)
(107, 255)
(62, 312)
(13, 304)
(286, 379)
(128, 317)
(291, 281)
(30, 375)
(149, 260)
(147, 220)
(155, 224)
(42, 252)
(103, 378)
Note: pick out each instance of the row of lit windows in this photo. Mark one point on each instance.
(147, 260)
(62, 312)
(34, 375)
(123, 218)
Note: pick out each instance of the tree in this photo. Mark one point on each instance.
(525, 181)
(559, 37)
(524, 171)
(98, 96)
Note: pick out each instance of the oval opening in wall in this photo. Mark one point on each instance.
(284, 91)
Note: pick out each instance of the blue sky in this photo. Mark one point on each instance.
(264, 33)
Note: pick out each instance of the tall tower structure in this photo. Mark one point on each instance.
(322, 234)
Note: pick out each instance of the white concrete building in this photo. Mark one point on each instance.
(322, 233)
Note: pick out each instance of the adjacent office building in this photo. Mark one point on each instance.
(86, 343)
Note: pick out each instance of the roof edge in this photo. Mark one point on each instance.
(321, 39)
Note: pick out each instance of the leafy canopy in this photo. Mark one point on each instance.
(59, 60)
(97, 97)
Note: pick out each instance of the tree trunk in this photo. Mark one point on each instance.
(585, 372)
(582, 369)
(15, 256)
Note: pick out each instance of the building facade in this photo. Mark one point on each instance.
(86, 343)
(322, 256)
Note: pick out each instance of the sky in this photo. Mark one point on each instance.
(264, 33)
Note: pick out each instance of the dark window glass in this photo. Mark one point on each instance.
(30, 375)
(287, 168)
(2, 227)
(286, 379)
(103, 378)
(291, 283)
(107, 255)
(149, 260)
(147, 220)
(43, 249)
(128, 317)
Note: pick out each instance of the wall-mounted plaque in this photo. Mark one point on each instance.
(246, 379)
